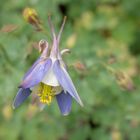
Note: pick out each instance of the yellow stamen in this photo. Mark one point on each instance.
(46, 93)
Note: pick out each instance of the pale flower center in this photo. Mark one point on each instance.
(50, 78)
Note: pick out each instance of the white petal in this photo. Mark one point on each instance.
(50, 78)
(58, 90)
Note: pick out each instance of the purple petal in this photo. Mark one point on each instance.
(21, 97)
(64, 101)
(65, 81)
(61, 29)
(45, 48)
(32, 67)
(37, 74)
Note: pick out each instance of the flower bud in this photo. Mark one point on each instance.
(124, 81)
(31, 16)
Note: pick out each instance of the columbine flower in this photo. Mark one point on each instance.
(48, 77)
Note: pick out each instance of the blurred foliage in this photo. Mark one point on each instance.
(104, 38)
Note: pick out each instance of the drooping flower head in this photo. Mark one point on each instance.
(48, 77)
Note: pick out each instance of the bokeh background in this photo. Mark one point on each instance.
(104, 38)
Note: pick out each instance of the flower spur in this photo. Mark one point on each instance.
(48, 77)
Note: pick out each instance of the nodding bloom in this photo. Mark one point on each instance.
(48, 77)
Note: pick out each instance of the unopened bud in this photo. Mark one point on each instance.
(124, 81)
(78, 65)
(31, 16)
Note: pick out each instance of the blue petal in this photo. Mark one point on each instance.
(37, 74)
(65, 81)
(32, 67)
(64, 101)
(21, 97)
(44, 46)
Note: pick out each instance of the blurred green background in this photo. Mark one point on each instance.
(104, 38)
